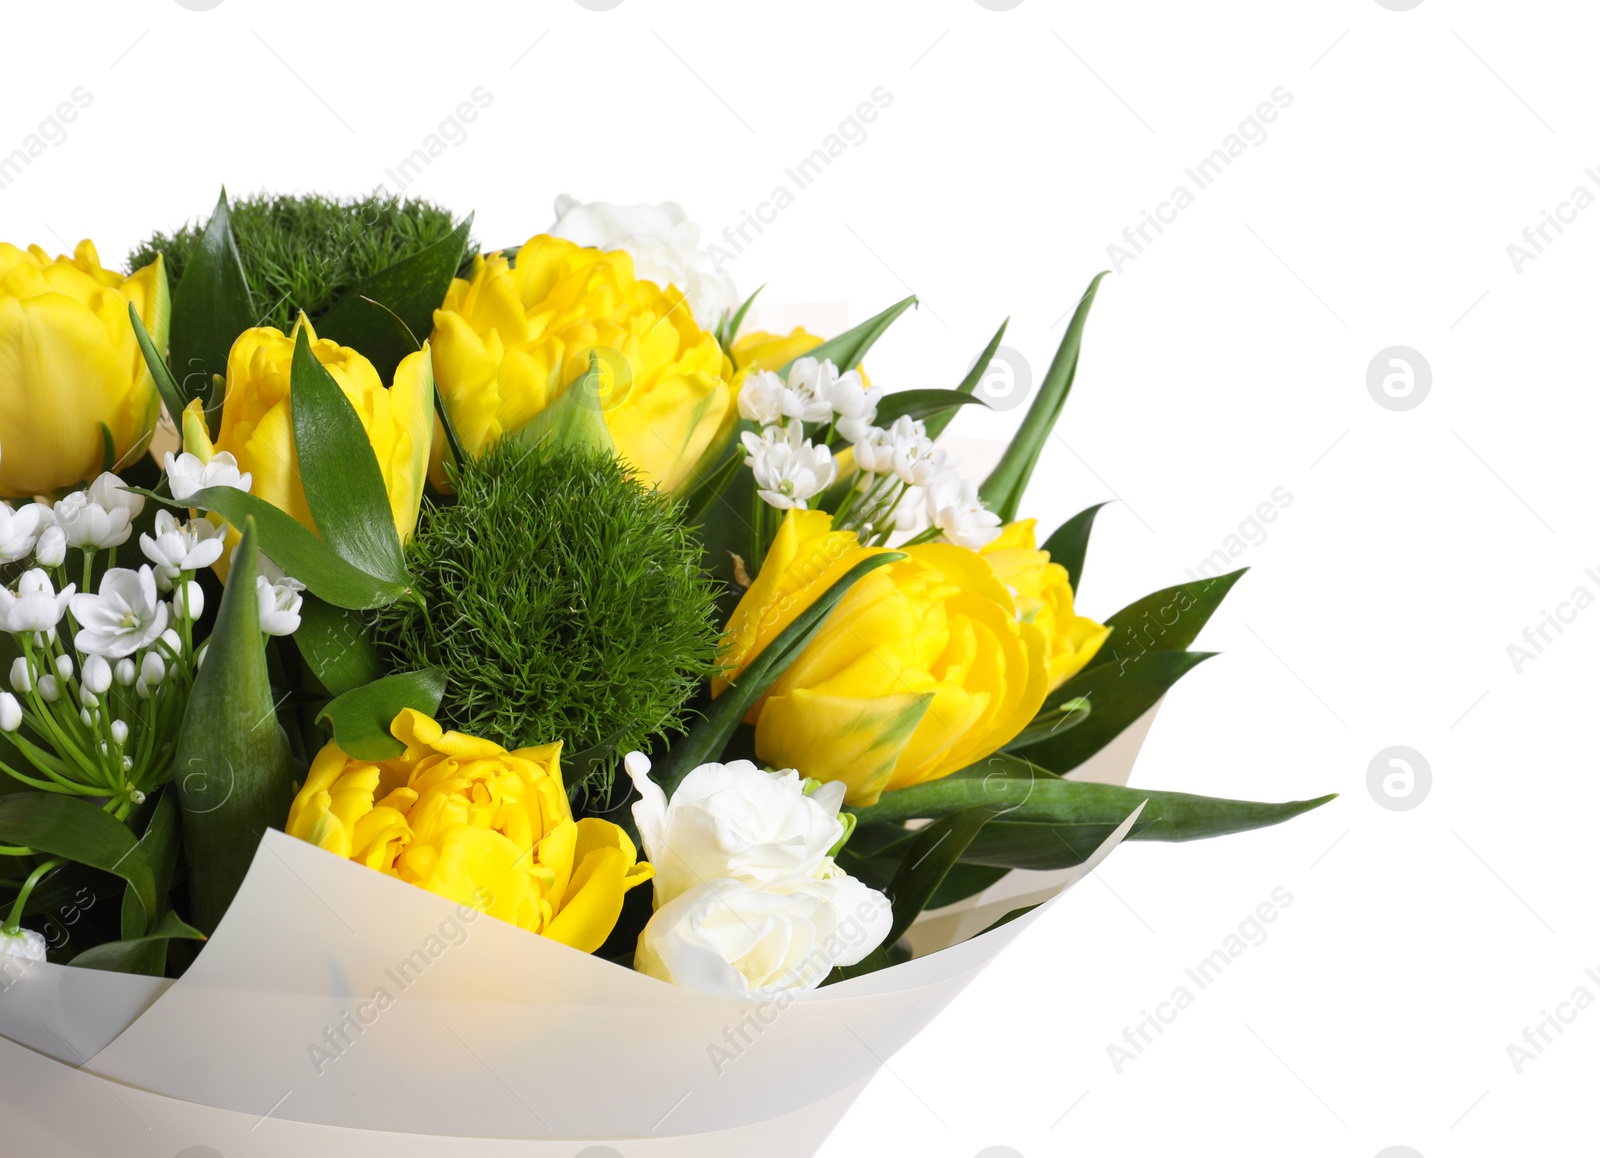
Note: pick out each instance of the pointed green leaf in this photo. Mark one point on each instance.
(360, 719)
(159, 843)
(171, 396)
(924, 405)
(1070, 544)
(134, 954)
(1169, 619)
(730, 331)
(709, 487)
(74, 830)
(211, 307)
(576, 419)
(231, 761)
(931, 856)
(847, 350)
(337, 646)
(410, 289)
(1002, 490)
(711, 732)
(936, 423)
(339, 470)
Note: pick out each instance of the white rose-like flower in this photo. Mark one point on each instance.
(19, 530)
(89, 525)
(278, 603)
(181, 546)
(954, 507)
(664, 245)
(124, 617)
(730, 938)
(36, 606)
(186, 474)
(788, 468)
(733, 820)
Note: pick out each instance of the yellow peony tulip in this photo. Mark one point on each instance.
(921, 670)
(69, 361)
(1043, 593)
(258, 427)
(468, 820)
(510, 339)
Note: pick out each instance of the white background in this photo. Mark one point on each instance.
(1229, 359)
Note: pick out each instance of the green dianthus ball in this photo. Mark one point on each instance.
(565, 601)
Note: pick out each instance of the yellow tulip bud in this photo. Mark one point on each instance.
(69, 362)
(257, 424)
(1043, 593)
(922, 669)
(466, 819)
(510, 339)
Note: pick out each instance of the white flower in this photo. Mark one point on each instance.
(49, 688)
(21, 676)
(111, 492)
(89, 525)
(152, 669)
(186, 474)
(279, 605)
(954, 507)
(788, 468)
(733, 820)
(124, 617)
(916, 460)
(761, 398)
(855, 404)
(731, 938)
(664, 245)
(10, 713)
(188, 601)
(908, 511)
(119, 732)
(874, 451)
(181, 546)
(64, 666)
(97, 674)
(19, 530)
(52, 548)
(125, 672)
(35, 606)
(805, 395)
(23, 945)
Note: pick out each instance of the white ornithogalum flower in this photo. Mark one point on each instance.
(279, 605)
(64, 666)
(119, 732)
(188, 601)
(761, 398)
(917, 461)
(19, 530)
(36, 606)
(52, 548)
(22, 945)
(49, 688)
(788, 468)
(125, 672)
(179, 546)
(909, 510)
(186, 474)
(91, 526)
(152, 668)
(113, 494)
(124, 617)
(97, 674)
(955, 508)
(21, 676)
(805, 394)
(855, 404)
(10, 713)
(874, 451)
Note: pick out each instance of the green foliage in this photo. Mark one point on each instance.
(304, 253)
(564, 601)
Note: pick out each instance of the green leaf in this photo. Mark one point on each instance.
(1119, 691)
(360, 719)
(1070, 543)
(1053, 719)
(730, 332)
(936, 424)
(339, 470)
(710, 487)
(133, 954)
(295, 549)
(74, 830)
(923, 405)
(1169, 619)
(932, 855)
(211, 308)
(1041, 821)
(231, 761)
(576, 419)
(159, 843)
(1002, 490)
(410, 289)
(847, 350)
(710, 733)
(963, 881)
(337, 647)
(171, 395)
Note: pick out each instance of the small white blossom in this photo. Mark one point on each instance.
(186, 474)
(152, 668)
(806, 393)
(955, 508)
(178, 547)
(49, 688)
(125, 672)
(279, 605)
(874, 451)
(64, 666)
(35, 606)
(97, 674)
(761, 398)
(124, 617)
(52, 548)
(916, 460)
(188, 601)
(10, 713)
(119, 732)
(855, 404)
(20, 529)
(22, 945)
(111, 492)
(89, 525)
(21, 676)
(788, 468)
(908, 512)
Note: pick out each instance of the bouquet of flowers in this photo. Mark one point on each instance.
(370, 579)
